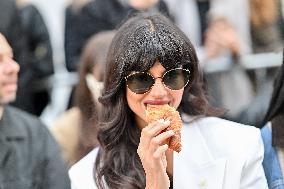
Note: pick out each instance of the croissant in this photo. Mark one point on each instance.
(166, 112)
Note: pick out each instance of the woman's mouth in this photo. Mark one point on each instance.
(156, 102)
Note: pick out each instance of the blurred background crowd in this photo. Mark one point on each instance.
(61, 45)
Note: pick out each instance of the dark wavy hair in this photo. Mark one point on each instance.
(141, 41)
(93, 57)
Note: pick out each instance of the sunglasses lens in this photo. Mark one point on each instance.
(176, 79)
(139, 83)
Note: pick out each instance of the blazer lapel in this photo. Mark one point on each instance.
(195, 166)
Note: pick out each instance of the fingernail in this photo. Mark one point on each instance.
(167, 122)
(171, 132)
(161, 120)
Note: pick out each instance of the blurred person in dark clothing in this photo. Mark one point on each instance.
(72, 14)
(29, 156)
(41, 60)
(100, 15)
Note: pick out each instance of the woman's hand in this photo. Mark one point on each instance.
(151, 151)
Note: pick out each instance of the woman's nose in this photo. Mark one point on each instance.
(158, 90)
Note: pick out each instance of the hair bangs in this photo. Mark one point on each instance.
(152, 43)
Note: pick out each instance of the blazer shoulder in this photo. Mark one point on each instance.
(81, 173)
(227, 128)
(229, 135)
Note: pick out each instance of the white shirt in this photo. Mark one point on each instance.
(216, 154)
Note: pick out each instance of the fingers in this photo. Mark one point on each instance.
(153, 127)
(152, 138)
(161, 150)
(155, 149)
(159, 140)
(153, 130)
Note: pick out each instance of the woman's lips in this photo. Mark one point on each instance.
(156, 102)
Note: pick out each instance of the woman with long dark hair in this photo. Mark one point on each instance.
(152, 63)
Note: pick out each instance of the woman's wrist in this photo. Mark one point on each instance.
(157, 183)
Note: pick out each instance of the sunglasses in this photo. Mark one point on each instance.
(142, 82)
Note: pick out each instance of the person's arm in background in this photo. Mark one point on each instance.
(221, 36)
(229, 28)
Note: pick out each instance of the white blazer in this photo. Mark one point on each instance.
(216, 154)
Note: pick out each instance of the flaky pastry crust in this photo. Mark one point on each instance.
(166, 112)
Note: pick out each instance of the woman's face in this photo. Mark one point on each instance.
(157, 95)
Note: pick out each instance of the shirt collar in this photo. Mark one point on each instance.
(10, 125)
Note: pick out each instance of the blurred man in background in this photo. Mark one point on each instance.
(29, 156)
